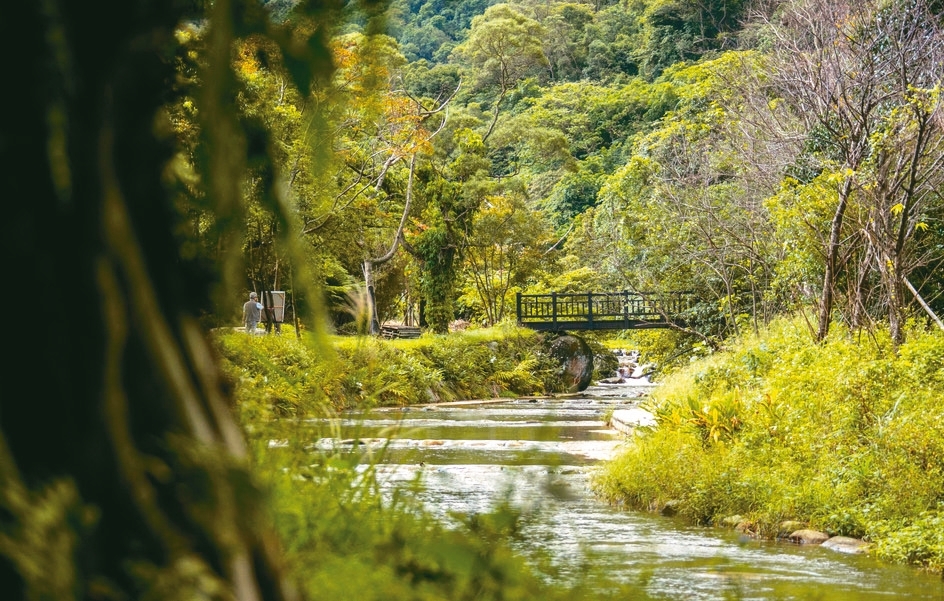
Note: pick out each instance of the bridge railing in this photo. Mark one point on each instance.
(601, 310)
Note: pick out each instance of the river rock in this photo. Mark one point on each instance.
(808, 537)
(605, 362)
(787, 527)
(627, 420)
(746, 527)
(671, 508)
(845, 544)
(740, 524)
(576, 360)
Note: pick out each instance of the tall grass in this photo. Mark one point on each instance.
(846, 436)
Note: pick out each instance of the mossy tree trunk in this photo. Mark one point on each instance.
(122, 472)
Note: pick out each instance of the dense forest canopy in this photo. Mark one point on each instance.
(758, 153)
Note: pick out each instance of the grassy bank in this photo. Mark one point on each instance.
(847, 437)
(281, 376)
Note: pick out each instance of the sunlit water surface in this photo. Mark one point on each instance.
(538, 455)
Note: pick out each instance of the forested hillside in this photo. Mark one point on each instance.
(162, 158)
(770, 156)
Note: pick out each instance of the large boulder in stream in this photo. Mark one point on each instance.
(576, 360)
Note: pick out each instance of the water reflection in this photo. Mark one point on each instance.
(537, 455)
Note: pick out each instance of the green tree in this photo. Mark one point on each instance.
(450, 194)
(502, 249)
(565, 41)
(612, 41)
(685, 210)
(503, 48)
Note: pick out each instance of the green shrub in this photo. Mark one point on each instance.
(847, 436)
(921, 542)
(281, 376)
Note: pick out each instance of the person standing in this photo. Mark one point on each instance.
(252, 311)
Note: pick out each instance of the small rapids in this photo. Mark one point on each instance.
(538, 456)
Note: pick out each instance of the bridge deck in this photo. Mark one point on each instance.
(561, 311)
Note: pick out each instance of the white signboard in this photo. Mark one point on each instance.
(276, 302)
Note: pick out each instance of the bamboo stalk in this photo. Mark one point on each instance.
(925, 305)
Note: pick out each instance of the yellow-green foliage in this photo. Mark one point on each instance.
(283, 376)
(847, 436)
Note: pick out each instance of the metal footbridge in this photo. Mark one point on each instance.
(573, 311)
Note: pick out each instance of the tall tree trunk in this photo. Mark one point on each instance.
(832, 259)
(368, 264)
(896, 306)
(122, 471)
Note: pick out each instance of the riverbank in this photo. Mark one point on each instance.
(846, 437)
(282, 376)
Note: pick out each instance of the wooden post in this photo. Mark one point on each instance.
(518, 307)
(590, 308)
(923, 304)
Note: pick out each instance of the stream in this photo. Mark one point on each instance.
(538, 454)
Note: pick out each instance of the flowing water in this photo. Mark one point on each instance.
(537, 454)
